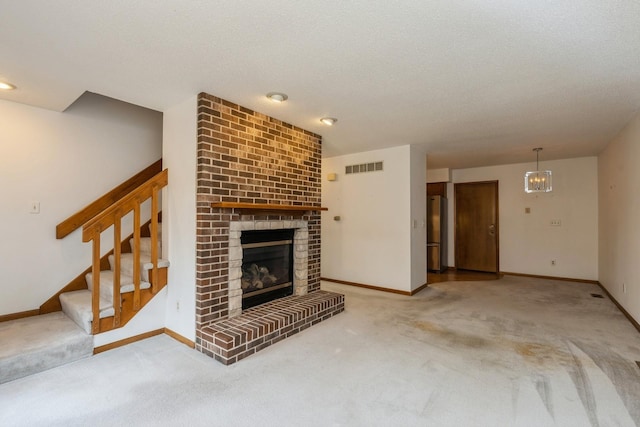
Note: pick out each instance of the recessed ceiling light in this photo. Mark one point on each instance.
(329, 121)
(277, 97)
(6, 86)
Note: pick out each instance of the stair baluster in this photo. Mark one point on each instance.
(136, 255)
(117, 238)
(95, 297)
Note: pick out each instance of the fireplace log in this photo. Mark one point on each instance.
(256, 277)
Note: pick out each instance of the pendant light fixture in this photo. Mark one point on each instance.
(537, 181)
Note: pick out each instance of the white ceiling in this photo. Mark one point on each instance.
(476, 82)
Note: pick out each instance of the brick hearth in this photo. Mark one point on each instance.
(248, 157)
(231, 340)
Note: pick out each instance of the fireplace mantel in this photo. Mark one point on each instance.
(268, 207)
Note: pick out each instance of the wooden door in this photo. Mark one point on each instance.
(476, 226)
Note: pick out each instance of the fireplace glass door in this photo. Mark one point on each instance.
(267, 266)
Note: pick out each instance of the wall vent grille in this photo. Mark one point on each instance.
(364, 167)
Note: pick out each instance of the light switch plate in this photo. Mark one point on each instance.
(34, 207)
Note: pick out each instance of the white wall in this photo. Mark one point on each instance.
(64, 161)
(418, 229)
(179, 211)
(372, 243)
(439, 175)
(528, 242)
(619, 231)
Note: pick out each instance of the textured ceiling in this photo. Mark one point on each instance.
(475, 82)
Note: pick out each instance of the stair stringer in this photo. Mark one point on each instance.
(128, 312)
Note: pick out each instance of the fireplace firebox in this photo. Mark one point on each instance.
(267, 265)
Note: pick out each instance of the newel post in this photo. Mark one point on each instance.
(136, 255)
(154, 239)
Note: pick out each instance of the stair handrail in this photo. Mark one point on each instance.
(112, 215)
(85, 214)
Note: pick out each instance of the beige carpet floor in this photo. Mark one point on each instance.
(510, 352)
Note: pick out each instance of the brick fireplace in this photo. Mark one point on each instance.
(265, 166)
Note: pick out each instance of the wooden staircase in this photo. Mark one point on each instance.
(120, 283)
(78, 304)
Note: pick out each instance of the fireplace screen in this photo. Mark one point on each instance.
(267, 266)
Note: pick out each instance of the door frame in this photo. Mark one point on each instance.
(497, 210)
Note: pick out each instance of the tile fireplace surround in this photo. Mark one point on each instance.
(253, 159)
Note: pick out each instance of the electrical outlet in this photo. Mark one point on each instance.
(177, 305)
(553, 262)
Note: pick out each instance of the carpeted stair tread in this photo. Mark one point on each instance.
(159, 230)
(106, 284)
(126, 264)
(145, 246)
(38, 343)
(77, 305)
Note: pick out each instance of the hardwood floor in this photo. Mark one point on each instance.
(453, 275)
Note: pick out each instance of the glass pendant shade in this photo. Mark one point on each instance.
(537, 182)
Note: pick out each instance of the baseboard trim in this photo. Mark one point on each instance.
(621, 308)
(375, 288)
(126, 341)
(19, 315)
(176, 336)
(565, 279)
(415, 291)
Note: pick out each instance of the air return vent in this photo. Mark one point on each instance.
(364, 167)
